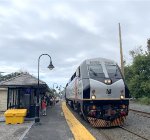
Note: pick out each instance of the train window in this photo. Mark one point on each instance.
(66, 84)
(73, 76)
(95, 70)
(78, 72)
(113, 71)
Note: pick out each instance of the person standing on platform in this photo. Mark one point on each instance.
(44, 106)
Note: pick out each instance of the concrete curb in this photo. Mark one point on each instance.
(27, 130)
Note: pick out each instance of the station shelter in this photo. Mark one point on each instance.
(22, 92)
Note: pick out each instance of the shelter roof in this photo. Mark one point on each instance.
(24, 79)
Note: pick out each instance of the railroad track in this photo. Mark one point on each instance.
(105, 135)
(124, 128)
(141, 113)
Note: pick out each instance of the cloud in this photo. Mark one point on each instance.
(69, 31)
(85, 20)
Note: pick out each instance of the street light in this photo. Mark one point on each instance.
(60, 88)
(54, 84)
(54, 91)
(37, 116)
(61, 92)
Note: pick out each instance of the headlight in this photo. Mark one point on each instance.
(121, 97)
(107, 81)
(93, 97)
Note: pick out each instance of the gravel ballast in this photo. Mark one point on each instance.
(136, 123)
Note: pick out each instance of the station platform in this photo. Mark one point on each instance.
(51, 127)
(59, 124)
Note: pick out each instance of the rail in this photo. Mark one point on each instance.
(133, 132)
(141, 113)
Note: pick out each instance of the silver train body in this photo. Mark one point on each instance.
(97, 91)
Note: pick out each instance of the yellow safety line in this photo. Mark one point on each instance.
(78, 130)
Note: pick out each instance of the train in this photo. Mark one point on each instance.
(98, 92)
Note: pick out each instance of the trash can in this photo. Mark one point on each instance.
(31, 113)
(15, 116)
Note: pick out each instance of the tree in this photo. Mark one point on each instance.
(138, 73)
(9, 76)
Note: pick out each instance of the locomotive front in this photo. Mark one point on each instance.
(109, 95)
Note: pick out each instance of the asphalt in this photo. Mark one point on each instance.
(51, 127)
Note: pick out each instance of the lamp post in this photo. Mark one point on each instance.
(54, 91)
(37, 116)
(60, 88)
(60, 91)
(54, 84)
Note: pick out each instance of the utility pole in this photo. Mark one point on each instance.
(121, 52)
(148, 45)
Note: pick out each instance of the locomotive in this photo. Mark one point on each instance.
(98, 92)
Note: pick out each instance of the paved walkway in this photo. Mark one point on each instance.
(53, 126)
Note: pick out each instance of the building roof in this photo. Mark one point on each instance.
(24, 79)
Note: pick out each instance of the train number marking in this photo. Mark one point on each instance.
(108, 91)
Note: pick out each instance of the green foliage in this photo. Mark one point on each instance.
(53, 93)
(9, 76)
(137, 75)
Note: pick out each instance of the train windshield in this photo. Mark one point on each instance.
(113, 71)
(95, 71)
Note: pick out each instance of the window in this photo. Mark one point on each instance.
(95, 70)
(66, 84)
(113, 71)
(73, 76)
(78, 72)
(111, 68)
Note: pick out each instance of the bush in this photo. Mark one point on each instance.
(137, 75)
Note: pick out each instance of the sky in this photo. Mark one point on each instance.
(70, 31)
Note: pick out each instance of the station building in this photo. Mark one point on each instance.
(20, 92)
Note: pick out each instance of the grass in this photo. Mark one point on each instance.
(144, 100)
